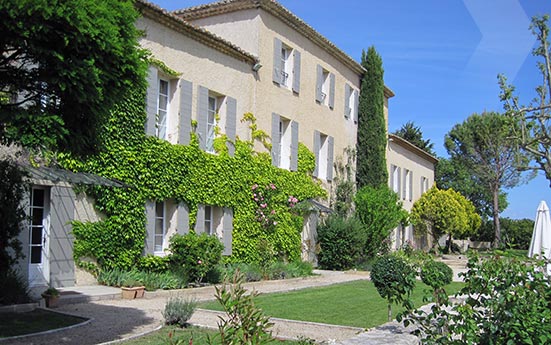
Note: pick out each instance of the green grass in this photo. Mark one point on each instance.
(38, 320)
(180, 336)
(355, 304)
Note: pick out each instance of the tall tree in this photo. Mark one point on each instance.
(412, 133)
(64, 64)
(371, 167)
(484, 145)
(451, 173)
(534, 126)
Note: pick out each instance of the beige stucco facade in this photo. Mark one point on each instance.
(255, 30)
(221, 74)
(411, 173)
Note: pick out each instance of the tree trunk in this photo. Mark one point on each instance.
(495, 214)
(389, 312)
(450, 244)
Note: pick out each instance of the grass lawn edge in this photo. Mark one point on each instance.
(85, 321)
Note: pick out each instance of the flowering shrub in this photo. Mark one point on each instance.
(265, 214)
(195, 254)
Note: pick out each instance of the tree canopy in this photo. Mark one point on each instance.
(534, 119)
(64, 64)
(440, 212)
(485, 146)
(412, 133)
(371, 167)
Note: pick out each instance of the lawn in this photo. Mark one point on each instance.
(38, 320)
(351, 304)
(181, 336)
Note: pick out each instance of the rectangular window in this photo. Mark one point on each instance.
(285, 66)
(208, 220)
(395, 178)
(351, 104)
(162, 109)
(424, 184)
(160, 226)
(284, 144)
(37, 225)
(323, 155)
(408, 190)
(325, 87)
(212, 113)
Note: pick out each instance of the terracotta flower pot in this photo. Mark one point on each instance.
(51, 300)
(132, 292)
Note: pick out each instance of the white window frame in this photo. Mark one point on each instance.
(161, 127)
(424, 184)
(323, 156)
(159, 248)
(208, 219)
(325, 87)
(284, 143)
(395, 178)
(212, 113)
(408, 188)
(286, 66)
(351, 104)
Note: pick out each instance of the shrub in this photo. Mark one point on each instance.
(341, 241)
(152, 263)
(195, 254)
(506, 301)
(14, 287)
(380, 211)
(246, 323)
(178, 311)
(12, 214)
(394, 279)
(437, 275)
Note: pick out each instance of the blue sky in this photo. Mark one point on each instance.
(441, 58)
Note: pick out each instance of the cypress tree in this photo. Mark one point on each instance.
(371, 142)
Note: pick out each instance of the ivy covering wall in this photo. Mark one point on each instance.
(157, 170)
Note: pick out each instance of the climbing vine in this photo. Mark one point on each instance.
(154, 169)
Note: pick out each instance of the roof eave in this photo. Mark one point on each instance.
(207, 38)
(409, 146)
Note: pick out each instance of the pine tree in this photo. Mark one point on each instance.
(372, 137)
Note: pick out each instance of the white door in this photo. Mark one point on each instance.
(39, 231)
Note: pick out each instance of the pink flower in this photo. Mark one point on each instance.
(199, 262)
(263, 205)
(275, 223)
(272, 186)
(255, 186)
(273, 212)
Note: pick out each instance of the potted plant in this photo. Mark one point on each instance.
(132, 289)
(51, 296)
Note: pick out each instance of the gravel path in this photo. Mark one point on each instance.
(120, 319)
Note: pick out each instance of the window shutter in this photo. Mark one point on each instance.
(330, 158)
(331, 90)
(200, 220)
(296, 71)
(149, 227)
(275, 139)
(317, 151)
(151, 100)
(399, 182)
(277, 76)
(182, 219)
(202, 115)
(410, 186)
(346, 101)
(186, 92)
(231, 114)
(294, 146)
(356, 100)
(227, 226)
(319, 82)
(404, 185)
